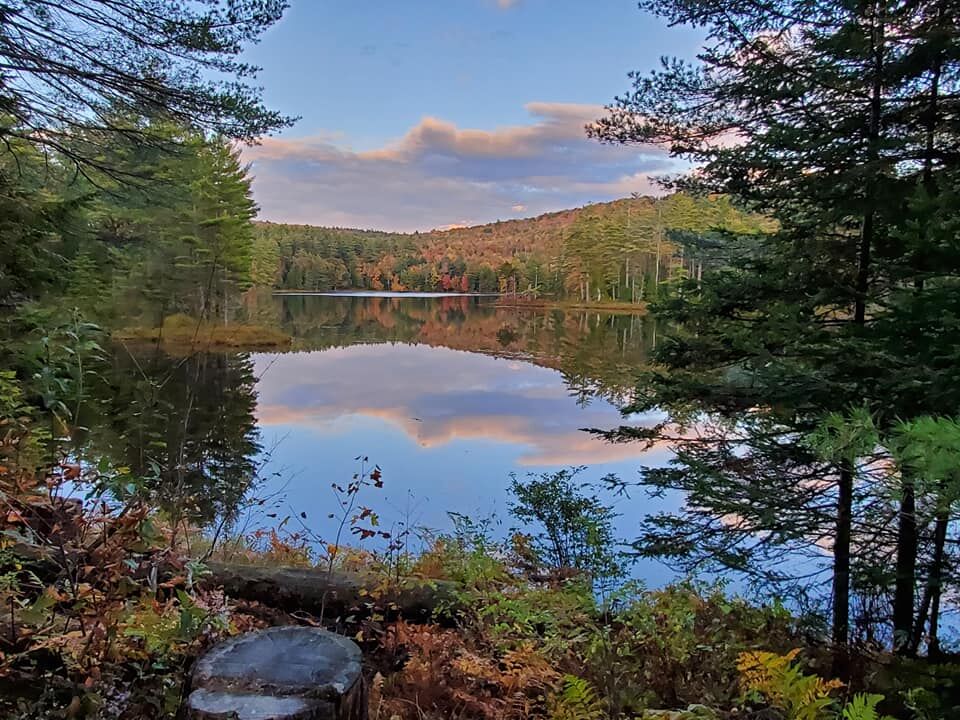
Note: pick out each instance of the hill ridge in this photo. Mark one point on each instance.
(615, 249)
(434, 231)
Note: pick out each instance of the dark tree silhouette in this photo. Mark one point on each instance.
(86, 67)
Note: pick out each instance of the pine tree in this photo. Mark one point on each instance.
(834, 119)
(70, 68)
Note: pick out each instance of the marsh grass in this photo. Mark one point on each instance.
(183, 331)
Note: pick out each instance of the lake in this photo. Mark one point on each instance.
(449, 395)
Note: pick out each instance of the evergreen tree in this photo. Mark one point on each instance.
(69, 68)
(835, 120)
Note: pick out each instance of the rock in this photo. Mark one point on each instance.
(693, 712)
(282, 673)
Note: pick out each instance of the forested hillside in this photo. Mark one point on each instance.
(621, 250)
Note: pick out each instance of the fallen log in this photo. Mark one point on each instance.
(334, 594)
(313, 590)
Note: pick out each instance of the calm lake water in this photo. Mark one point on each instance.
(448, 395)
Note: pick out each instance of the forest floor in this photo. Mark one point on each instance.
(121, 643)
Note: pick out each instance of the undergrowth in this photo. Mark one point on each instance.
(106, 601)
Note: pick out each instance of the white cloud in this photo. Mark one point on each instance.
(438, 174)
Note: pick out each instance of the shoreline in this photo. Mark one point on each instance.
(505, 300)
(379, 293)
(178, 336)
(602, 306)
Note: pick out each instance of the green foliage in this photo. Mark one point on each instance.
(611, 247)
(929, 448)
(848, 300)
(920, 689)
(15, 413)
(468, 553)
(637, 250)
(63, 360)
(517, 614)
(863, 707)
(41, 217)
(679, 645)
(163, 628)
(577, 700)
(845, 437)
(667, 648)
(168, 58)
(577, 529)
(183, 245)
(779, 680)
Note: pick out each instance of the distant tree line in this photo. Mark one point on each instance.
(624, 251)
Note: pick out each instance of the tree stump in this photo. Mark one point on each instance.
(282, 673)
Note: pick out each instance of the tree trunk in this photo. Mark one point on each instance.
(281, 673)
(930, 604)
(905, 587)
(659, 239)
(841, 573)
(626, 276)
(288, 588)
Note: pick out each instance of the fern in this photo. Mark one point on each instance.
(577, 700)
(863, 706)
(779, 680)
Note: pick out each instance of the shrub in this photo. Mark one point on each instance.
(577, 530)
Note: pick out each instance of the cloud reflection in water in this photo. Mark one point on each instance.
(436, 396)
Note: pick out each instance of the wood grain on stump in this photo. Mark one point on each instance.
(282, 673)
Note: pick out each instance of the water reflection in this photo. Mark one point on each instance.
(436, 396)
(448, 395)
(185, 425)
(597, 353)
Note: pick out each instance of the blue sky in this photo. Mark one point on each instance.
(429, 113)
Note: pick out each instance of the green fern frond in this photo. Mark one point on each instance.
(577, 700)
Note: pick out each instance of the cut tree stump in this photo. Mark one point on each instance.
(281, 673)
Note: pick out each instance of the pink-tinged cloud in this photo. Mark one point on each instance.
(438, 174)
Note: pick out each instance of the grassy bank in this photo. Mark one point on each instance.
(183, 332)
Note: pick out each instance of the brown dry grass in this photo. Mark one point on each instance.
(181, 331)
